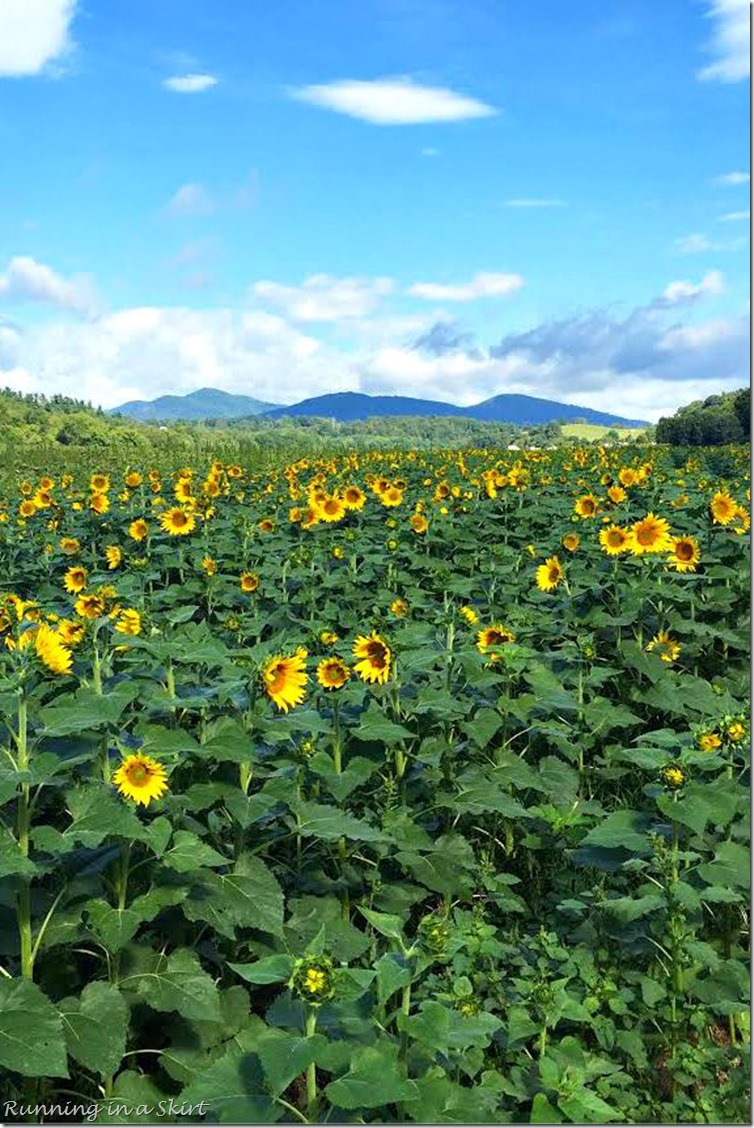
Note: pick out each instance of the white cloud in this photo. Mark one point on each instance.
(484, 285)
(683, 293)
(190, 200)
(733, 217)
(190, 83)
(692, 244)
(324, 298)
(26, 280)
(729, 43)
(534, 203)
(393, 101)
(731, 178)
(33, 34)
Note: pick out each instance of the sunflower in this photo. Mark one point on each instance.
(419, 523)
(328, 638)
(331, 509)
(391, 497)
(673, 776)
(614, 540)
(571, 541)
(469, 614)
(667, 648)
(284, 679)
(627, 477)
(209, 565)
(399, 608)
(586, 506)
(99, 503)
(496, 635)
(141, 778)
(71, 632)
(114, 556)
(652, 534)
(27, 509)
(52, 650)
(128, 622)
(708, 741)
(182, 491)
(89, 606)
(75, 580)
(178, 522)
(133, 479)
(549, 574)
(310, 518)
(617, 494)
(684, 555)
(354, 498)
(723, 508)
(266, 525)
(375, 657)
(249, 581)
(138, 529)
(332, 673)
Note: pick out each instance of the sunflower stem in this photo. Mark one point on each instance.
(24, 820)
(311, 1069)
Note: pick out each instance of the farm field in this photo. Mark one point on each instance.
(589, 432)
(392, 787)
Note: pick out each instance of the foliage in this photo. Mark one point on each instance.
(716, 421)
(498, 873)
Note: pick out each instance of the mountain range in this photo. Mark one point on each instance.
(351, 407)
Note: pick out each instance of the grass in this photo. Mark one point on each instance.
(591, 431)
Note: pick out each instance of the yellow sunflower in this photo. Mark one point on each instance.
(284, 678)
(27, 509)
(128, 622)
(723, 508)
(52, 650)
(627, 477)
(332, 673)
(586, 506)
(375, 658)
(133, 479)
(709, 741)
(617, 494)
(652, 534)
(419, 523)
(75, 580)
(353, 498)
(614, 540)
(178, 522)
(141, 778)
(99, 503)
(469, 614)
(114, 556)
(70, 545)
(667, 648)
(571, 541)
(138, 529)
(249, 581)
(331, 509)
(496, 635)
(549, 574)
(684, 555)
(89, 606)
(399, 608)
(71, 632)
(391, 497)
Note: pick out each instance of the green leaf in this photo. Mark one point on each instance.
(485, 723)
(249, 897)
(114, 927)
(542, 1112)
(135, 1100)
(385, 923)
(188, 853)
(730, 866)
(285, 1056)
(176, 983)
(620, 830)
(375, 725)
(374, 1080)
(270, 969)
(443, 1029)
(12, 861)
(86, 709)
(317, 820)
(585, 1107)
(233, 1090)
(392, 973)
(31, 1031)
(96, 1026)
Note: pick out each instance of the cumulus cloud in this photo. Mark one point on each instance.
(640, 364)
(732, 178)
(34, 34)
(26, 280)
(483, 285)
(190, 83)
(190, 200)
(533, 202)
(684, 293)
(324, 298)
(729, 41)
(393, 101)
(734, 217)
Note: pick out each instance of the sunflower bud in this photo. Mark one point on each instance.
(313, 980)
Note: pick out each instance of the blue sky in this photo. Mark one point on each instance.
(289, 199)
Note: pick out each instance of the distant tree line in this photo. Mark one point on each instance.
(715, 421)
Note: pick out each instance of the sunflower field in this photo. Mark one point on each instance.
(393, 787)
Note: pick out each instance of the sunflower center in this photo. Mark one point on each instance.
(179, 519)
(138, 774)
(684, 551)
(646, 535)
(377, 654)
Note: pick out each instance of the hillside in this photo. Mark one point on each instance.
(206, 403)
(715, 421)
(351, 407)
